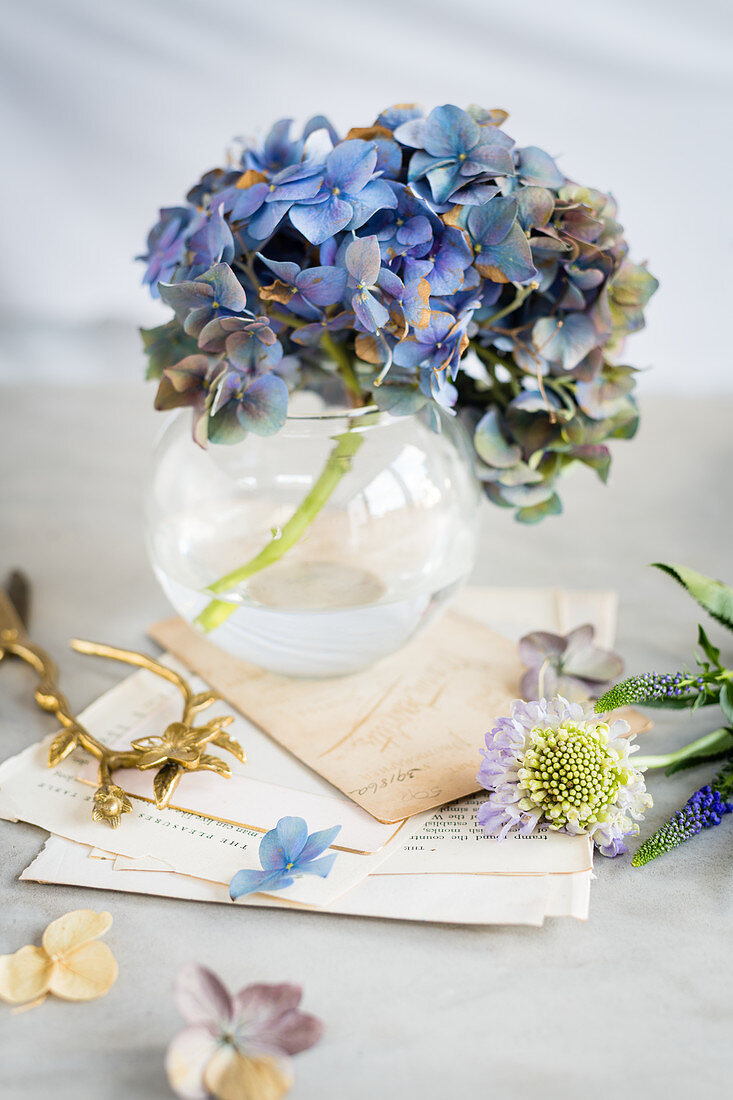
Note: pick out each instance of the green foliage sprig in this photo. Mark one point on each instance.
(711, 684)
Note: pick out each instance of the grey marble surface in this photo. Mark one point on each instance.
(634, 1002)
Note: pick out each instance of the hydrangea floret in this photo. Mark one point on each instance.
(556, 763)
(428, 259)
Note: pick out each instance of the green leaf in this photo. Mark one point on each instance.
(726, 700)
(700, 758)
(714, 596)
(711, 652)
(536, 512)
(165, 346)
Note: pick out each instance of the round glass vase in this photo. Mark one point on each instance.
(316, 551)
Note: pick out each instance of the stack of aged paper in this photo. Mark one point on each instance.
(384, 754)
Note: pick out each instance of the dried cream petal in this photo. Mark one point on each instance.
(186, 1059)
(84, 974)
(73, 929)
(234, 1076)
(24, 976)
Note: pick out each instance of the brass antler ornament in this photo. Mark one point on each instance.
(179, 749)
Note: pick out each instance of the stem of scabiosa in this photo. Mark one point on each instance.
(338, 464)
(718, 741)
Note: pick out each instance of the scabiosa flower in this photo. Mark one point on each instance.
(705, 809)
(556, 762)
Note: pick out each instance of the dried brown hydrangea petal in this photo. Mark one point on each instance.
(24, 975)
(233, 1076)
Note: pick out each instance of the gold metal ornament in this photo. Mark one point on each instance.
(179, 749)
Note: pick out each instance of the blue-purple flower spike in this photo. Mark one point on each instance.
(705, 809)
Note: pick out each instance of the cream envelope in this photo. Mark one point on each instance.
(143, 704)
(455, 899)
(400, 737)
(183, 842)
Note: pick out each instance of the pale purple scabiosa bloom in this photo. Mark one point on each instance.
(558, 763)
(236, 1045)
(286, 853)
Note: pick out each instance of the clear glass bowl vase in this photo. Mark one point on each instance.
(321, 549)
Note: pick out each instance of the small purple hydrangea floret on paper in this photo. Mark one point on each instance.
(236, 1044)
(287, 852)
(571, 665)
(557, 763)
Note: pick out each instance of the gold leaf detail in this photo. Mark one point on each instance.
(62, 744)
(165, 783)
(224, 741)
(214, 764)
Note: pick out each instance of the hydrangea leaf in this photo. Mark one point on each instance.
(714, 596)
(165, 346)
(534, 513)
(490, 443)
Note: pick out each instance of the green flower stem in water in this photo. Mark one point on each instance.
(337, 465)
(717, 741)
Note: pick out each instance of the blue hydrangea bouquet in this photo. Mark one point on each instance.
(426, 260)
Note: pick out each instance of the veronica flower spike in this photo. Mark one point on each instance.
(705, 809)
(287, 852)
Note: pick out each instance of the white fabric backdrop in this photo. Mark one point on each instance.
(111, 109)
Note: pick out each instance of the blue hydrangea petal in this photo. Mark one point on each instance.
(537, 166)
(321, 867)
(363, 260)
(323, 286)
(444, 181)
(318, 843)
(351, 165)
(410, 352)
(369, 310)
(319, 222)
(449, 131)
(286, 271)
(567, 344)
(251, 882)
(264, 223)
(412, 133)
(183, 297)
(263, 407)
(292, 835)
(376, 195)
(390, 283)
(510, 261)
(226, 288)
(490, 224)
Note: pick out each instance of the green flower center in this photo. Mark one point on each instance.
(570, 774)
